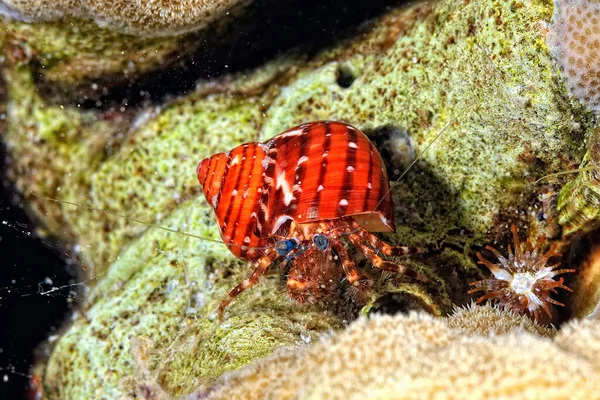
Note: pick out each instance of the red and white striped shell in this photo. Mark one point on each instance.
(313, 172)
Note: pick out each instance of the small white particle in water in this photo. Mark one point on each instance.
(48, 281)
(169, 182)
(305, 337)
(5, 378)
(172, 285)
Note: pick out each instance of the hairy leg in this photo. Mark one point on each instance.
(260, 268)
(382, 246)
(358, 239)
(360, 284)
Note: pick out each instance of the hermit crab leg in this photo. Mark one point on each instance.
(353, 275)
(260, 269)
(358, 239)
(360, 284)
(383, 246)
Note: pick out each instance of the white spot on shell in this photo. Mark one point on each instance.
(302, 159)
(279, 222)
(343, 202)
(213, 200)
(295, 132)
(288, 194)
(234, 193)
(265, 162)
(352, 145)
(320, 188)
(369, 185)
(350, 168)
(236, 160)
(247, 239)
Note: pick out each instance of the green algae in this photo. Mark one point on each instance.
(168, 295)
(79, 51)
(475, 73)
(78, 140)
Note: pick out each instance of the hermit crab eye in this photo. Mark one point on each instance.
(283, 247)
(321, 242)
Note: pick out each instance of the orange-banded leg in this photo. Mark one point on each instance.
(382, 246)
(260, 268)
(358, 239)
(360, 284)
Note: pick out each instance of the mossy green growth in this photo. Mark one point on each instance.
(52, 143)
(80, 52)
(474, 78)
(165, 288)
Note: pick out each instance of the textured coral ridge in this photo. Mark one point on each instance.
(477, 71)
(574, 37)
(479, 352)
(135, 17)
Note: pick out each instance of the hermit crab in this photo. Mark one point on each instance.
(524, 281)
(292, 198)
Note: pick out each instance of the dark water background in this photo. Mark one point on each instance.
(27, 317)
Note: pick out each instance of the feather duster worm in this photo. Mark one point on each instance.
(522, 282)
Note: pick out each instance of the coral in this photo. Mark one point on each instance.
(574, 37)
(473, 75)
(419, 356)
(91, 58)
(522, 282)
(487, 320)
(143, 18)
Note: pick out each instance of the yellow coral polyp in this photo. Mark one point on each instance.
(522, 282)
